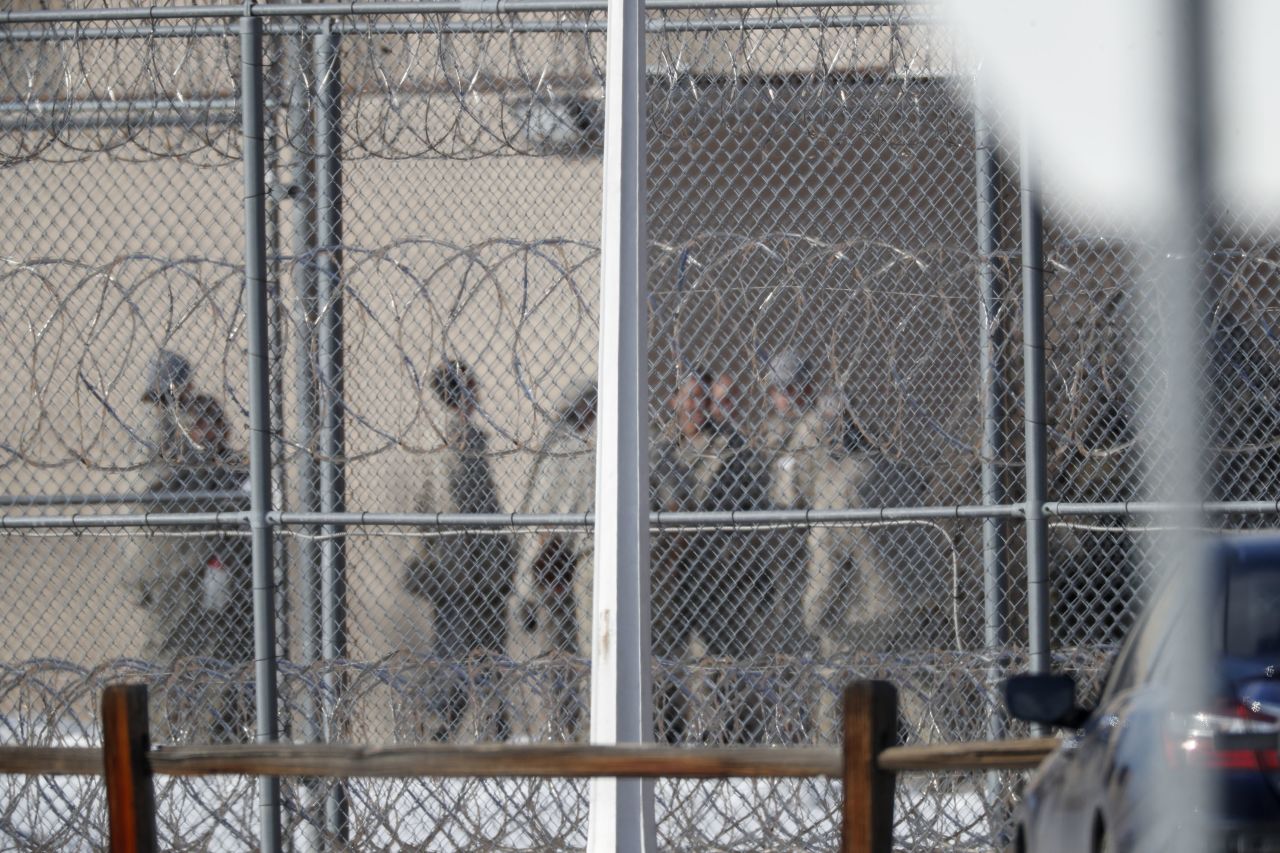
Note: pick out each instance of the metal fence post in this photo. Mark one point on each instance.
(304, 317)
(256, 315)
(276, 321)
(1034, 412)
(991, 342)
(621, 816)
(329, 351)
(990, 367)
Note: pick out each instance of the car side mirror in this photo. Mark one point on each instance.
(1046, 699)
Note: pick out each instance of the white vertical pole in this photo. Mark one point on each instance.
(621, 812)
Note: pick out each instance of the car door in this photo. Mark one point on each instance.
(1120, 728)
(1090, 749)
(1052, 804)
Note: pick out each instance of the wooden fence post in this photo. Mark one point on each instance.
(126, 742)
(870, 725)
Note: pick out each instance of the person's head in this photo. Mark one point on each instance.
(169, 380)
(722, 400)
(454, 384)
(689, 403)
(790, 378)
(578, 410)
(209, 431)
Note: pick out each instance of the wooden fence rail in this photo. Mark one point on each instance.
(866, 763)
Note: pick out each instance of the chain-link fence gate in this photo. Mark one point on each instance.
(837, 381)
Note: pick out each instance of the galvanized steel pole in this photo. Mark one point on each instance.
(990, 368)
(276, 322)
(304, 320)
(1034, 412)
(329, 352)
(621, 816)
(329, 342)
(255, 261)
(991, 342)
(304, 316)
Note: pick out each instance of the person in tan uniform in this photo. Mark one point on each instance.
(563, 481)
(797, 455)
(466, 575)
(846, 581)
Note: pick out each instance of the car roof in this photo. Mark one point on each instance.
(1261, 546)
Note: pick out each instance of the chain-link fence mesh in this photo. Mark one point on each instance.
(835, 323)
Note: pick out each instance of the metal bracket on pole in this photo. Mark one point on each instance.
(621, 814)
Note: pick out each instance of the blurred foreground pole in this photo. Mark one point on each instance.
(1036, 421)
(1177, 299)
(621, 810)
(256, 317)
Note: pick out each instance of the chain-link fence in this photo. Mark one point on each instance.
(837, 383)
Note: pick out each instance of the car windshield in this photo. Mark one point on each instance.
(1253, 610)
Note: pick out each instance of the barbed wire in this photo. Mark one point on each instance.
(83, 335)
(55, 703)
(454, 87)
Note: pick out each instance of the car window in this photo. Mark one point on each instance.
(1147, 638)
(1253, 610)
(1121, 675)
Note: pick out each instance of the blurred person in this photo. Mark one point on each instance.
(196, 585)
(227, 582)
(466, 575)
(186, 580)
(847, 586)
(170, 389)
(563, 481)
(799, 465)
(729, 583)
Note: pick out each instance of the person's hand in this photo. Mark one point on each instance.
(528, 613)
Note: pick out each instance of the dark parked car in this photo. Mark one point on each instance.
(1094, 792)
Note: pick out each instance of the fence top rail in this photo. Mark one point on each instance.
(551, 760)
(658, 520)
(432, 27)
(868, 516)
(407, 7)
